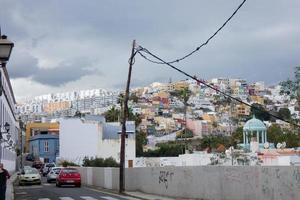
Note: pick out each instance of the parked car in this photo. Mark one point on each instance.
(52, 175)
(30, 157)
(37, 164)
(29, 176)
(68, 176)
(47, 167)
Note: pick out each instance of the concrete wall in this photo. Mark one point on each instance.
(204, 182)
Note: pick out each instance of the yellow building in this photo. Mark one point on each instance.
(56, 106)
(242, 110)
(180, 85)
(35, 128)
(257, 99)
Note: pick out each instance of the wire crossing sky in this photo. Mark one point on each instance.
(203, 44)
(140, 48)
(69, 45)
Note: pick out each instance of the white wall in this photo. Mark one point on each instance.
(78, 139)
(204, 182)
(111, 148)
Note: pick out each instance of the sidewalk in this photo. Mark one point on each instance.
(10, 187)
(140, 195)
(133, 194)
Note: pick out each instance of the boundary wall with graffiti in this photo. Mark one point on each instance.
(203, 182)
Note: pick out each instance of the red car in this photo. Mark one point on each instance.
(68, 176)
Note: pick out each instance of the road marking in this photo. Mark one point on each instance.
(110, 193)
(66, 198)
(46, 184)
(29, 187)
(21, 192)
(109, 198)
(43, 199)
(88, 198)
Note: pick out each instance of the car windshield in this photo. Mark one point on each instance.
(50, 165)
(56, 169)
(30, 171)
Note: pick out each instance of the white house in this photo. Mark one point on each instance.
(7, 117)
(91, 136)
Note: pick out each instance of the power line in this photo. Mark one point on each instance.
(206, 42)
(140, 48)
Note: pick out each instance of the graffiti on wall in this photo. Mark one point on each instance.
(165, 177)
(296, 176)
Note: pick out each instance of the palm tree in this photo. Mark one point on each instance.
(112, 115)
(184, 96)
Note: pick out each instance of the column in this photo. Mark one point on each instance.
(244, 138)
(257, 137)
(263, 137)
(265, 132)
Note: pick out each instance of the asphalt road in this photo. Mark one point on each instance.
(47, 191)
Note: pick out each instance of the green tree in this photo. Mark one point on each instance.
(284, 113)
(292, 87)
(237, 137)
(140, 142)
(112, 115)
(259, 112)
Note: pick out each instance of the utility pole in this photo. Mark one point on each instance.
(125, 114)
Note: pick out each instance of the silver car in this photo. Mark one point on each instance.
(51, 176)
(29, 176)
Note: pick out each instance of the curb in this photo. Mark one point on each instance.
(10, 187)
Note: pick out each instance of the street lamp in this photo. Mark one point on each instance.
(6, 47)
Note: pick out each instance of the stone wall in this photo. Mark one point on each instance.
(204, 182)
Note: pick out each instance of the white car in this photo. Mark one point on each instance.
(29, 176)
(51, 176)
(47, 167)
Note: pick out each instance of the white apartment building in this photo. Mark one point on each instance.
(7, 116)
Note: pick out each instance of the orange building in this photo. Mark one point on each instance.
(36, 128)
(56, 106)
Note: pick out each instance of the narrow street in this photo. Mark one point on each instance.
(48, 191)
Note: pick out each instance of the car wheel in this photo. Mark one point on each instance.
(79, 185)
(57, 184)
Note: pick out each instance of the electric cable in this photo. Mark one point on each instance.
(140, 48)
(205, 43)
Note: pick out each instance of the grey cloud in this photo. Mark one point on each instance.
(259, 44)
(24, 66)
(64, 73)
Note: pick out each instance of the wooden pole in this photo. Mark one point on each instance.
(125, 114)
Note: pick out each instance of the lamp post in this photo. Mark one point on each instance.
(8, 136)
(6, 47)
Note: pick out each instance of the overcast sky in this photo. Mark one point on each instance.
(78, 44)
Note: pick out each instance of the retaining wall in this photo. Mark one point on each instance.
(204, 182)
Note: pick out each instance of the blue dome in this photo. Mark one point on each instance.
(254, 125)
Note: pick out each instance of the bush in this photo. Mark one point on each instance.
(66, 163)
(99, 162)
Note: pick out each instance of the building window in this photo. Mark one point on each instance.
(46, 146)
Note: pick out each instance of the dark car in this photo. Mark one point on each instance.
(68, 176)
(37, 164)
(30, 157)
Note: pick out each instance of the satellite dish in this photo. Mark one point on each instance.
(283, 144)
(266, 145)
(279, 145)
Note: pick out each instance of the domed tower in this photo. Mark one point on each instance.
(254, 127)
